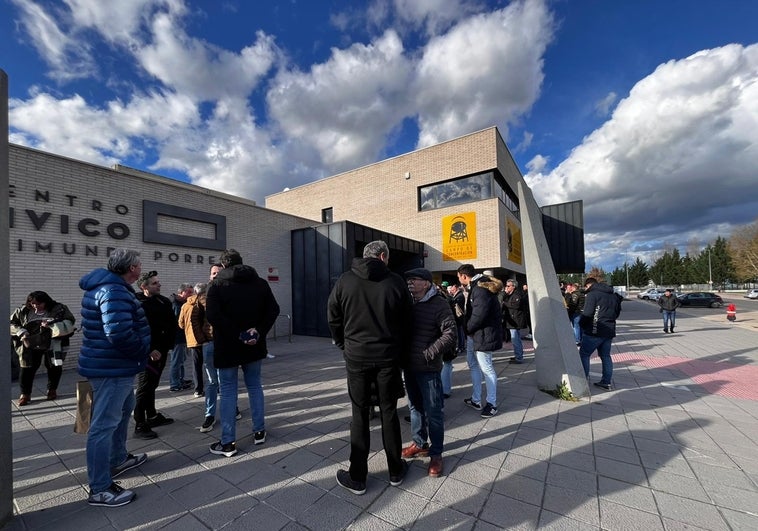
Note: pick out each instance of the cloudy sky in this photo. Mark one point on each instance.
(646, 109)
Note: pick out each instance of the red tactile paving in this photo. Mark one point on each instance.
(716, 377)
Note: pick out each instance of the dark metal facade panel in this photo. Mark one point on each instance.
(322, 253)
(564, 230)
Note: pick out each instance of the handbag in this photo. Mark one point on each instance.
(83, 406)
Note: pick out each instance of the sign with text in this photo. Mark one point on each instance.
(459, 237)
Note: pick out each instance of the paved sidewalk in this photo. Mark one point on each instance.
(674, 446)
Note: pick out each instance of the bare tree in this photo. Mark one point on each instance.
(743, 249)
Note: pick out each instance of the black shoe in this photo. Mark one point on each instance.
(407, 418)
(259, 437)
(397, 479)
(208, 424)
(238, 415)
(143, 431)
(489, 411)
(346, 482)
(474, 405)
(516, 361)
(665, 330)
(228, 449)
(446, 395)
(159, 420)
(672, 330)
(602, 385)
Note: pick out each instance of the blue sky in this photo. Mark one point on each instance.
(647, 110)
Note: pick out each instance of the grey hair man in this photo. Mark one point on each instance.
(115, 348)
(369, 313)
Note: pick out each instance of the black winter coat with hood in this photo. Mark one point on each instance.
(237, 300)
(483, 321)
(369, 314)
(601, 309)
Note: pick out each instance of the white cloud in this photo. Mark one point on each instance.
(603, 107)
(677, 155)
(67, 55)
(200, 70)
(485, 71)
(435, 16)
(345, 107)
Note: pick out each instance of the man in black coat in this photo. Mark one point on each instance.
(433, 336)
(515, 317)
(160, 315)
(241, 308)
(484, 334)
(598, 321)
(369, 314)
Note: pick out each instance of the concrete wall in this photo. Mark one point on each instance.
(51, 195)
(6, 457)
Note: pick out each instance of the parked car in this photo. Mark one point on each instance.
(700, 298)
(752, 294)
(649, 294)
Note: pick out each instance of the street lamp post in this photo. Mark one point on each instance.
(710, 273)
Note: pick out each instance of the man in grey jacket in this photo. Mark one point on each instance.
(433, 333)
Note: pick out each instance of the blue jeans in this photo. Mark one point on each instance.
(603, 347)
(211, 388)
(228, 381)
(480, 365)
(669, 316)
(447, 377)
(112, 405)
(577, 328)
(518, 346)
(176, 365)
(425, 403)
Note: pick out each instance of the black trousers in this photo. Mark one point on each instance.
(144, 394)
(389, 387)
(26, 374)
(198, 371)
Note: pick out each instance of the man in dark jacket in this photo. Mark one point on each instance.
(515, 317)
(484, 334)
(433, 334)
(574, 306)
(601, 309)
(668, 304)
(178, 354)
(241, 308)
(369, 311)
(115, 348)
(160, 316)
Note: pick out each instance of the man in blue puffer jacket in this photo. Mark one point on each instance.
(115, 348)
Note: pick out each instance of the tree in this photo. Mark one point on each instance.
(639, 275)
(743, 251)
(597, 273)
(721, 264)
(618, 276)
(668, 269)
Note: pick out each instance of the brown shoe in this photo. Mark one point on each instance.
(413, 450)
(24, 399)
(52, 394)
(435, 466)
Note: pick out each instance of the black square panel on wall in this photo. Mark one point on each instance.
(151, 210)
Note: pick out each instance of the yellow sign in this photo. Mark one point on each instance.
(513, 237)
(459, 237)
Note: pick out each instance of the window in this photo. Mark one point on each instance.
(327, 215)
(456, 192)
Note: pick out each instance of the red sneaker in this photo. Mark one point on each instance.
(413, 450)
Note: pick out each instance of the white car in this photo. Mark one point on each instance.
(650, 294)
(752, 294)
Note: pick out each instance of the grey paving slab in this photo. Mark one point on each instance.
(666, 448)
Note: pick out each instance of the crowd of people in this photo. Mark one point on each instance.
(398, 334)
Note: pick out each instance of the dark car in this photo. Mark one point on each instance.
(700, 298)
